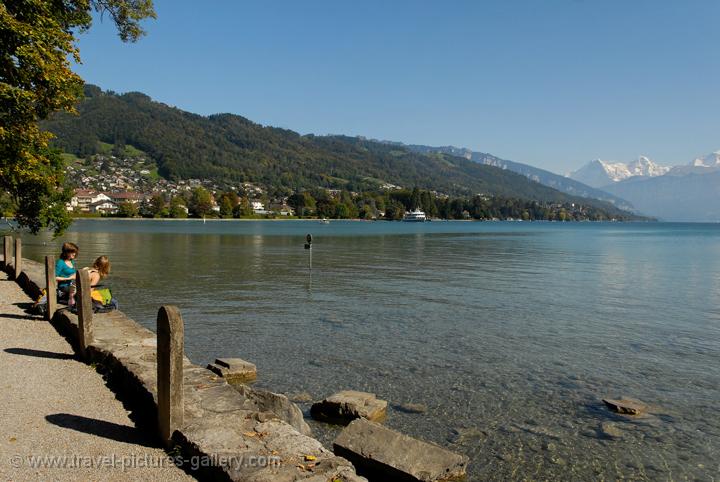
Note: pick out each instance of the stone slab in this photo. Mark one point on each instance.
(384, 454)
(344, 407)
(235, 363)
(234, 370)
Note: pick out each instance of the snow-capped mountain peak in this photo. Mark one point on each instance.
(616, 171)
(643, 166)
(600, 173)
(711, 160)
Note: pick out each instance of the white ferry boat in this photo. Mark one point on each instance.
(416, 216)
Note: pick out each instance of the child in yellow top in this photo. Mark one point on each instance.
(100, 269)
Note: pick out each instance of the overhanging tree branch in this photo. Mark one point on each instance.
(36, 43)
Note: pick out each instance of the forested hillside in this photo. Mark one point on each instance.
(229, 148)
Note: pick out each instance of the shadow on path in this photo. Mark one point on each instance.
(40, 353)
(13, 316)
(101, 428)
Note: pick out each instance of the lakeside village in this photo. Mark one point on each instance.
(109, 186)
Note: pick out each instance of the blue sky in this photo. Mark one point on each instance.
(553, 83)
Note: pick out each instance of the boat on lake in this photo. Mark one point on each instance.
(415, 216)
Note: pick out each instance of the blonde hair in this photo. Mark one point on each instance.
(102, 265)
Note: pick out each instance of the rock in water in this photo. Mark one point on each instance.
(300, 397)
(346, 406)
(384, 454)
(279, 405)
(610, 430)
(625, 406)
(234, 370)
(411, 407)
(465, 435)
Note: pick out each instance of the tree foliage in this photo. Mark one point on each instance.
(201, 202)
(227, 202)
(243, 208)
(127, 209)
(157, 206)
(178, 208)
(37, 44)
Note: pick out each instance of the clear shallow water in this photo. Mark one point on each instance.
(509, 333)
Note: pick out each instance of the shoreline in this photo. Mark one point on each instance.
(543, 221)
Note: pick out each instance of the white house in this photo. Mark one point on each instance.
(84, 199)
(258, 207)
(107, 207)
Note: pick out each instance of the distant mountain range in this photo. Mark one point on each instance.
(231, 149)
(700, 165)
(546, 178)
(689, 192)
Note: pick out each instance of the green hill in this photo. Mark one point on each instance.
(229, 149)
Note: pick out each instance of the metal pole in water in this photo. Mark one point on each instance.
(308, 246)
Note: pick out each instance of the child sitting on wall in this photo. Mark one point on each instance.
(101, 296)
(100, 269)
(65, 272)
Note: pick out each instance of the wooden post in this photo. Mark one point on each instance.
(170, 348)
(18, 257)
(84, 310)
(51, 287)
(7, 244)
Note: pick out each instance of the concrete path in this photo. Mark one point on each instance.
(58, 420)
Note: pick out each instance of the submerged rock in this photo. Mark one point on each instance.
(464, 435)
(540, 431)
(610, 430)
(411, 407)
(345, 406)
(625, 406)
(549, 446)
(300, 397)
(384, 454)
(505, 456)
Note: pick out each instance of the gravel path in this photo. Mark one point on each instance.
(57, 410)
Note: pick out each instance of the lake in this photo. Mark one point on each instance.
(509, 333)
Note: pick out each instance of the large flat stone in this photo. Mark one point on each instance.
(346, 406)
(234, 370)
(266, 401)
(384, 454)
